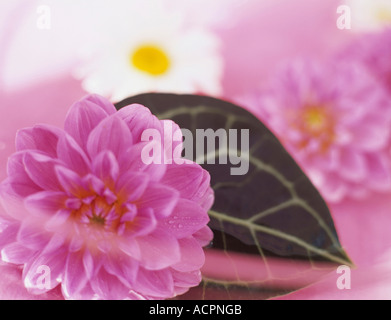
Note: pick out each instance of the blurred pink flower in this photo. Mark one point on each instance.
(335, 120)
(266, 32)
(374, 52)
(108, 226)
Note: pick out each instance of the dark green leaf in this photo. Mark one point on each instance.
(273, 211)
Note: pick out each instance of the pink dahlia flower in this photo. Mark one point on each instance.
(84, 210)
(374, 52)
(335, 121)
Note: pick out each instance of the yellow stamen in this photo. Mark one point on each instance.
(383, 15)
(150, 59)
(315, 119)
(316, 123)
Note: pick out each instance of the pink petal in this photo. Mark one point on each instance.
(88, 263)
(76, 243)
(135, 296)
(52, 264)
(108, 286)
(333, 188)
(205, 195)
(105, 167)
(157, 283)
(111, 134)
(8, 233)
(160, 198)
(131, 186)
(204, 236)
(172, 140)
(186, 219)
(138, 118)
(130, 247)
(45, 203)
(42, 137)
(192, 255)
(12, 287)
(87, 293)
(94, 183)
(12, 203)
(159, 250)
(143, 224)
(104, 246)
(186, 178)
(16, 253)
(371, 134)
(55, 243)
(123, 267)
(101, 102)
(73, 203)
(32, 236)
(72, 155)
(70, 181)
(91, 264)
(353, 165)
(132, 161)
(57, 220)
(82, 118)
(181, 290)
(380, 172)
(40, 169)
(75, 277)
(19, 180)
(186, 279)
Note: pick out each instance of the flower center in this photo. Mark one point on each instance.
(99, 217)
(97, 220)
(316, 123)
(315, 120)
(102, 212)
(383, 15)
(150, 59)
(96, 212)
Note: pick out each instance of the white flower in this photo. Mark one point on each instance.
(370, 15)
(151, 49)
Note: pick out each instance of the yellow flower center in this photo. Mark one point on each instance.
(150, 59)
(315, 119)
(383, 15)
(316, 123)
